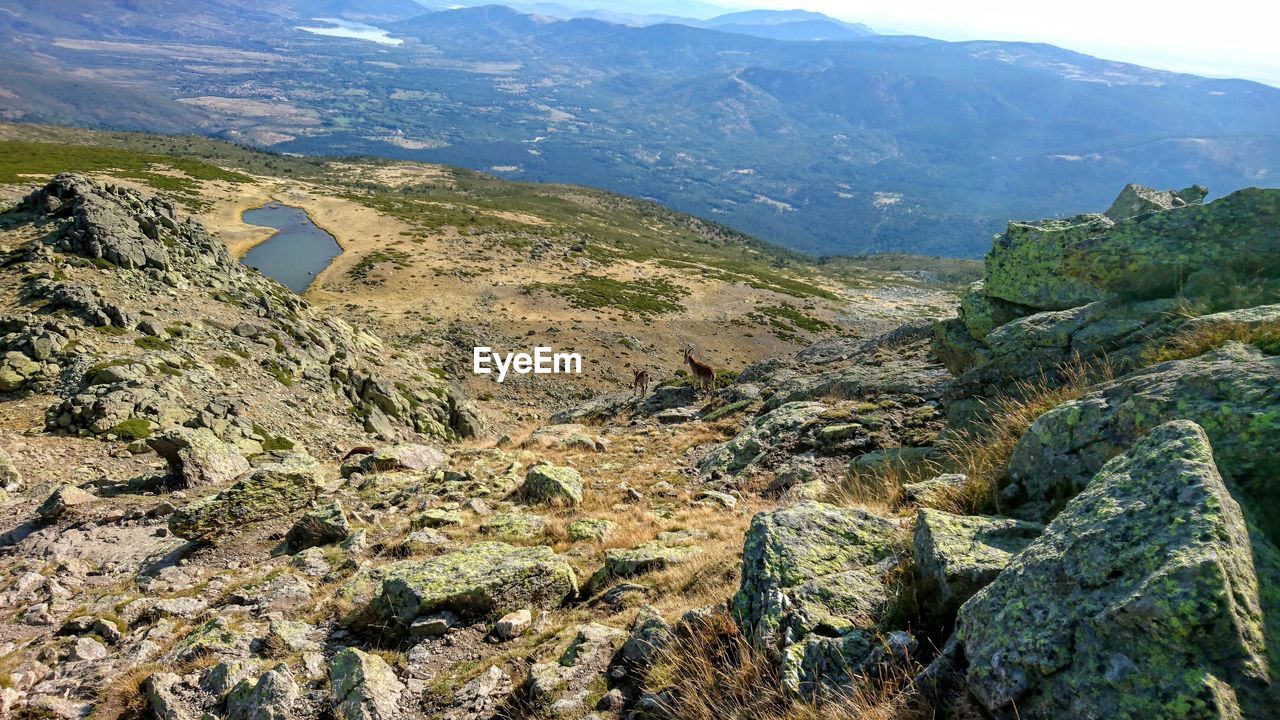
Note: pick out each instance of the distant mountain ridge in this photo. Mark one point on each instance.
(884, 143)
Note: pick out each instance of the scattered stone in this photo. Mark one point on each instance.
(433, 518)
(408, 457)
(513, 525)
(941, 490)
(590, 529)
(269, 697)
(719, 499)
(321, 526)
(512, 625)
(197, 458)
(561, 688)
(87, 649)
(63, 500)
(433, 625)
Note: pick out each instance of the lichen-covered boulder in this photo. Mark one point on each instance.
(938, 491)
(981, 313)
(409, 457)
(270, 491)
(1147, 597)
(319, 526)
(645, 558)
(487, 579)
(197, 458)
(1190, 249)
(268, 697)
(63, 501)
(513, 525)
(364, 687)
(1230, 392)
(592, 529)
(1024, 265)
(813, 567)
(553, 484)
(957, 555)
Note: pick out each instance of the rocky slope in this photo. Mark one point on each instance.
(856, 529)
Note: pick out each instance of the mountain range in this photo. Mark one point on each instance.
(872, 144)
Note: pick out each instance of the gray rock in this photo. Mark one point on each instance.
(560, 689)
(364, 687)
(87, 649)
(64, 500)
(1229, 392)
(553, 484)
(269, 491)
(321, 526)
(957, 555)
(268, 697)
(486, 579)
(813, 567)
(1142, 599)
(197, 458)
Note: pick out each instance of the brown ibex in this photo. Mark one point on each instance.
(704, 376)
(640, 385)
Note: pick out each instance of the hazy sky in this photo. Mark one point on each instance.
(1221, 38)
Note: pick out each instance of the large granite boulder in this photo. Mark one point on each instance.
(1148, 597)
(1230, 392)
(274, 489)
(487, 579)
(197, 458)
(811, 568)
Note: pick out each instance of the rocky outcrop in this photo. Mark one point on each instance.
(1146, 597)
(113, 260)
(1095, 288)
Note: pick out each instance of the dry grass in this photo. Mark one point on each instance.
(713, 673)
(982, 452)
(123, 696)
(1203, 337)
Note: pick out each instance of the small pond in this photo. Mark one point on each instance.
(297, 253)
